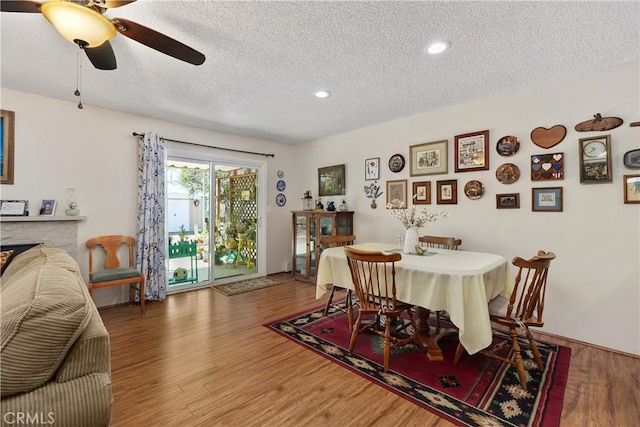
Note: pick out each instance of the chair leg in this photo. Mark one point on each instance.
(326, 307)
(354, 333)
(387, 341)
(518, 358)
(534, 349)
(142, 288)
(349, 301)
(459, 353)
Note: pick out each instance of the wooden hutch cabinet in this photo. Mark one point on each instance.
(308, 228)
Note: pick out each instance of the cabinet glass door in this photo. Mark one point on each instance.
(343, 224)
(326, 226)
(301, 245)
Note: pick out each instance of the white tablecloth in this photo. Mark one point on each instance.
(460, 282)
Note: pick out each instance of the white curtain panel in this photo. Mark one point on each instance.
(150, 253)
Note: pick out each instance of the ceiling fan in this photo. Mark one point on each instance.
(82, 22)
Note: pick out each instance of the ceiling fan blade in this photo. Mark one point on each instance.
(24, 6)
(102, 57)
(158, 41)
(111, 4)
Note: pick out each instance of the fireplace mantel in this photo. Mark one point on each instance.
(59, 231)
(41, 218)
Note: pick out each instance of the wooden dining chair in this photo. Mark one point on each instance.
(112, 274)
(374, 278)
(523, 309)
(440, 242)
(331, 242)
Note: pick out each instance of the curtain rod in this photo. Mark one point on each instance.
(209, 146)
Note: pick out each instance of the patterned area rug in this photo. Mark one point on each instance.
(477, 391)
(242, 286)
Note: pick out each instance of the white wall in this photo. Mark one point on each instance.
(59, 146)
(594, 292)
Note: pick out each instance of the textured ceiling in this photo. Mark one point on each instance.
(266, 59)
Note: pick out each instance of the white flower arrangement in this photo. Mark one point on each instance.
(410, 218)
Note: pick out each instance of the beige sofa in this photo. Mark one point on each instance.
(55, 355)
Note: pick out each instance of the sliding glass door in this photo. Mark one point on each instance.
(213, 219)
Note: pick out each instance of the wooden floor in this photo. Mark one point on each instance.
(202, 359)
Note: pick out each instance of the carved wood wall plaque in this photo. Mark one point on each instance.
(547, 138)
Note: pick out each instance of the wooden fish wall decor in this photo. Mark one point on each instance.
(599, 123)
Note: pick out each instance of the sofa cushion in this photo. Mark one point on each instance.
(115, 274)
(44, 310)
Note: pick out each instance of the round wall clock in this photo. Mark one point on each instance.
(281, 185)
(396, 163)
(281, 199)
(508, 173)
(474, 189)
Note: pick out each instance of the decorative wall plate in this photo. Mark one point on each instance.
(632, 159)
(281, 199)
(547, 138)
(547, 167)
(396, 163)
(508, 145)
(280, 173)
(508, 173)
(599, 123)
(474, 189)
(281, 185)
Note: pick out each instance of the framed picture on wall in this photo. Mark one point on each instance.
(429, 158)
(422, 193)
(372, 169)
(631, 188)
(6, 146)
(447, 192)
(546, 199)
(331, 181)
(472, 151)
(508, 201)
(397, 194)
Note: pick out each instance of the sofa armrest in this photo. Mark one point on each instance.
(89, 354)
(84, 401)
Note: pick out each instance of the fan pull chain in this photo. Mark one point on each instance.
(78, 79)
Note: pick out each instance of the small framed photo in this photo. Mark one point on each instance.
(331, 181)
(447, 192)
(422, 193)
(48, 207)
(14, 207)
(508, 201)
(372, 169)
(631, 188)
(546, 199)
(595, 159)
(429, 158)
(397, 194)
(472, 151)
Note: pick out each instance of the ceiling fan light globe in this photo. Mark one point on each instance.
(75, 22)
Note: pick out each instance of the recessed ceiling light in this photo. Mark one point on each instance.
(322, 94)
(438, 47)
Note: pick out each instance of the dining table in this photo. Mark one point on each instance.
(459, 282)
